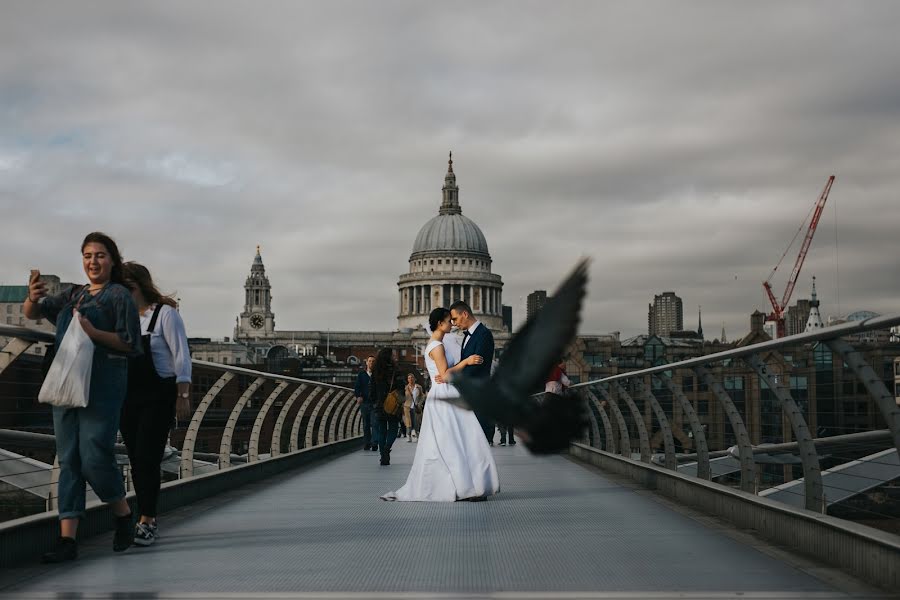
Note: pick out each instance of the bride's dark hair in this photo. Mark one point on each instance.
(436, 316)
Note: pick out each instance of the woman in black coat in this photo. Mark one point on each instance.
(385, 377)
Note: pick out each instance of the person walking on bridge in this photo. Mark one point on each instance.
(385, 377)
(159, 384)
(86, 437)
(364, 402)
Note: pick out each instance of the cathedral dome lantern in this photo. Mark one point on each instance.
(450, 261)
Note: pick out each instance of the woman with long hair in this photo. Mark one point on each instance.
(86, 437)
(453, 460)
(384, 379)
(159, 384)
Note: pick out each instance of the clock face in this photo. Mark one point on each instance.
(257, 321)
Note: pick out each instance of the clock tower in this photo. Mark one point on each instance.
(257, 321)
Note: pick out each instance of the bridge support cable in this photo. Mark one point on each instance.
(275, 449)
(225, 445)
(668, 441)
(190, 436)
(699, 436)
(745, 448)
(253, 451)
(325, 424)
(624, 437)
(294, 440)
(879, 392)
(13, 350)
(638, 417)
(308, 409)
(812, 472)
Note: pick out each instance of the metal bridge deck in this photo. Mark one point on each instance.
(556, 528)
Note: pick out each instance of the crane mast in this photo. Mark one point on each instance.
(778, 308)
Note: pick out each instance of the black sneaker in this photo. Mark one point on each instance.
(124, 535)
(145, 534)
(66, 549)
(366, 447)
(385, 459)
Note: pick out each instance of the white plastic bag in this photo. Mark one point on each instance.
(68, 382)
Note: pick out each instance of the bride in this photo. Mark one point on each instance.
(453, 460)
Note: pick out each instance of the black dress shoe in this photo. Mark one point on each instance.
(124, 535)
(385, 459)
(66, 549)
(366, 447)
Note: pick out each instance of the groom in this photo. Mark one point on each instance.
(477, 339)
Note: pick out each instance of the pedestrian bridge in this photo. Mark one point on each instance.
(556, 527)
(271, 496)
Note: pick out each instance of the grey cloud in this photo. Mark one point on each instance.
(680, 146)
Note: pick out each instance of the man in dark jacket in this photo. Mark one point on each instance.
(364, 402)
(477, 339)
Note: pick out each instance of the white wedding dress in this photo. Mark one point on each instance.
(453, 460)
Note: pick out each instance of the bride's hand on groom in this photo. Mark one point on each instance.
(474, 360)
(439, 378)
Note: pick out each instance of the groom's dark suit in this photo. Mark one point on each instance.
(480, 342)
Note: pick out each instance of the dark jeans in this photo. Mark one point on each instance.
(146, 420)
(385, 430)
(365, 410)
(487, 426)
(506, 430)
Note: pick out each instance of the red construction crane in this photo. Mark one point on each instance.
(777, 314)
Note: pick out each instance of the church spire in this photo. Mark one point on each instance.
(723, 332)
(450, 192)
(814, 322)
(700, 321)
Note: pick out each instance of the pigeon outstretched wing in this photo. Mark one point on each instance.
(508, 397)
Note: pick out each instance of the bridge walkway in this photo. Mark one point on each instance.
(557, 529)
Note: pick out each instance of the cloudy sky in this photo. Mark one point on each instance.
(680, 145)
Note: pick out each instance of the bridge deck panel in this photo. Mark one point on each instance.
(556, 526)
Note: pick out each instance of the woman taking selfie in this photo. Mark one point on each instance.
(159, 383)
(86, 437)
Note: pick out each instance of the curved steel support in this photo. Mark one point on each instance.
(624, 436)
(357, 424)
(225, 445)
(812, 471)
(327, 419)
(607, 426)
(745, 449)
(700, 446)
(53, 495)
(314, 417)
(887, 404)
(13, 349)
(638, 421)
(253, 452)
(663, 419)
(340, 419)
(595, 426)
(190, 436)
(295, 429)
(282, 416)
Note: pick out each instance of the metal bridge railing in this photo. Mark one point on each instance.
(239, 415)
(796, 418)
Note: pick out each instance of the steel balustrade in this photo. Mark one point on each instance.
(750, 355)
(282, 417)
(253, 451)
(302, 412)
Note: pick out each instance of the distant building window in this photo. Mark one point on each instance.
(455, 261)
(432, 261)
(439, 261)
(224, 360)
(9, 309)
(237, 360)
(687, 384)
(37, 350)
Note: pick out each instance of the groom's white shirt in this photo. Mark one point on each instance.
(471, 330)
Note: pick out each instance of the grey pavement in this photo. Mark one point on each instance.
(557, 529)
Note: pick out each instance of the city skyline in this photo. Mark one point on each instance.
(320, 132)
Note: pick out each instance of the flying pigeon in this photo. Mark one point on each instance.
(546, 424)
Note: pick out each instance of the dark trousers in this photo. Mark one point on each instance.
(365, 410)
(506, 433)
(146, 420)
(487, 426)
(385, 430)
